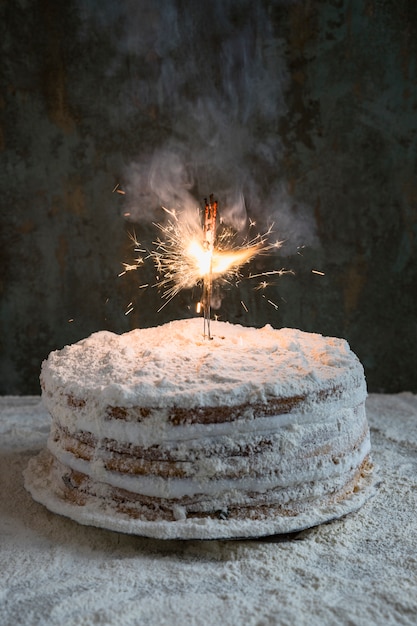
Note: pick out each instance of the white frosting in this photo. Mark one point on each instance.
(174, 365)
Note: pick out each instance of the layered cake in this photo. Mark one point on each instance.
(164, 433)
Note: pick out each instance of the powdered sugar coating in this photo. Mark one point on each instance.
(169, 428)
(174, 365)
(41, 483)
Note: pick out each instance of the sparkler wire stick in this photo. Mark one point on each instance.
(210, 214)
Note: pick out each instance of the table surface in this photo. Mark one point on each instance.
(361, 569)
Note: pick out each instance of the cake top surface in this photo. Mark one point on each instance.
(175, 365)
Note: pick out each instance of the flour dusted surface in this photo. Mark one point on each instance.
(358, 570)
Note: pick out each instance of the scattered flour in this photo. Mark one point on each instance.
(359, 570)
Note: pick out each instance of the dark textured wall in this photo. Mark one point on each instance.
(307, 109)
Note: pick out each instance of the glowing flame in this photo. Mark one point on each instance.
(224, 261)
(200, 256)
(219, 261)
(190, 253)
(183, 258)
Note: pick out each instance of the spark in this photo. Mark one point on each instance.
(273, 304)
(137, 245)
(117, 190)
(276, 307)
(280, 272)
(183, 260)
(171, 212)
(184, 256)
(262, 285)
(318, 272)
(130, 267)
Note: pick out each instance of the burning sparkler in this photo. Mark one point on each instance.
(210, 216)
(192, 251)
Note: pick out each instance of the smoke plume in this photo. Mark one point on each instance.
(206, 89)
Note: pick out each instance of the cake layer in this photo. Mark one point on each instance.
(124, 512)
(289, 451)
(253, 452)
(174, 368)
(221, 503)
(285, 474)
(157, 427)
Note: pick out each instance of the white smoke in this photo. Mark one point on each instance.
(206, 88)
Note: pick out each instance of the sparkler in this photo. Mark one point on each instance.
(190, 253)
(193, 251)
(210, 216)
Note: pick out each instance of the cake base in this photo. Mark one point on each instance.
(38, 482)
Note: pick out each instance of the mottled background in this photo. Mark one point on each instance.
(301, 113)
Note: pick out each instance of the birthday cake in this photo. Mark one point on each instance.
(164, 433)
